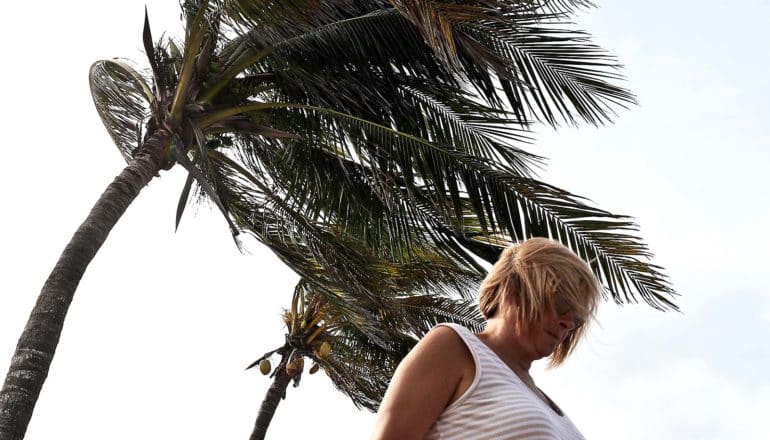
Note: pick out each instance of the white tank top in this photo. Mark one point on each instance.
(498, 405)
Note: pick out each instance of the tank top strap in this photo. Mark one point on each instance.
(483, 356)
(473, 343)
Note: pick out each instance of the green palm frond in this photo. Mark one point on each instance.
(122, 98)
(565, 6)
(502, 202)
(420, 313)
(333, 189)
(281, 19)
(553, 74)
(202, 34)
(165, 62)
(437, 22)
(263, 212)
(191, 10)
(362, 370)
(378, 37)
(357, 365)
(382, 40)
(322, 251)
(273, 14)
(547, 73)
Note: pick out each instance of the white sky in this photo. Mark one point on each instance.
(163, 324)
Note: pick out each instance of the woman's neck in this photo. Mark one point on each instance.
(505, 340)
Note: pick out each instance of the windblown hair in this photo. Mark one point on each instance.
(530, 275)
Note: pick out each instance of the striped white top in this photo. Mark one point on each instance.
(498, 405)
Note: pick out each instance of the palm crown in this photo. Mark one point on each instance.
(381, 120)
(329, 333)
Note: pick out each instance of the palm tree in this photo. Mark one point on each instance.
(308, 121)
(328, 335)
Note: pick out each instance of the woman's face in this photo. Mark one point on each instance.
(556, 324)
(553, 330)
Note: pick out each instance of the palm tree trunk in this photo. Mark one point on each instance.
(270, 403)
(37, 344)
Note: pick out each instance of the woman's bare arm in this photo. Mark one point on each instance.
(423, 385)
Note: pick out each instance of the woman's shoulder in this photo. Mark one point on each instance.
(451, 337)
(450, 347)
(424, 384)
(442, 345)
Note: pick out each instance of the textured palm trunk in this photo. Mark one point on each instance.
(37, 344)
(270, 403)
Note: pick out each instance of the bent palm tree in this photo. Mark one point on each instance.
(381, 118)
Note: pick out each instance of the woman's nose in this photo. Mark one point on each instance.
(567, 320)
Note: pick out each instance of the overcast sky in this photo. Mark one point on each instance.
(163, 323)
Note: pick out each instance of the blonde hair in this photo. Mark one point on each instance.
(530, 274)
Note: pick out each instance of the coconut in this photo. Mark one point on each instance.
(264, 366)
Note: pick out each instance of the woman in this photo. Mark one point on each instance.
(458, 385)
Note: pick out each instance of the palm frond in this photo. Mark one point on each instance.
(273, 14)
(304, 246)
(281, 19)
(563, 7)
(361, 368)
(504, 202)
(317, 251)
(437, 22)
(205, 183)
(546, 72)
(553, 74)
(202, 30)
(183, 199)
(193, 9)
(417, 314)
(382, 40)
(122, 99)
(333, 189)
